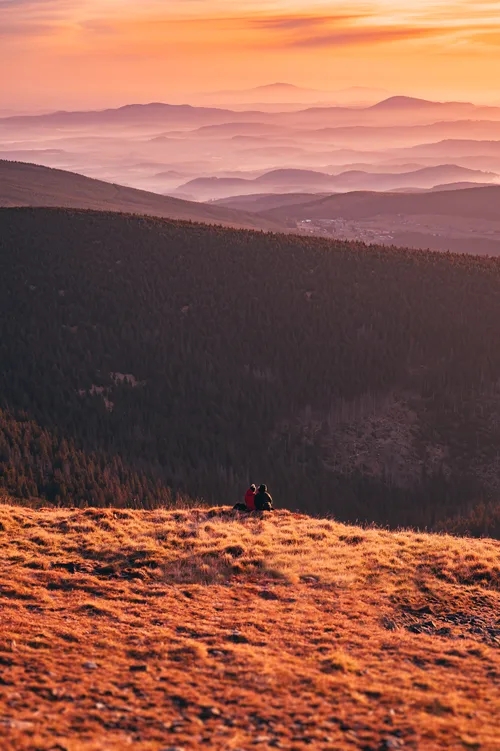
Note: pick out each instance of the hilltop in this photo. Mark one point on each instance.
(409, 102)
(190, 628)
(23, 184)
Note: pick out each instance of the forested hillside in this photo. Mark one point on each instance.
(362, 382)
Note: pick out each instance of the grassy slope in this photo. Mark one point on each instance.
(24, 184)
(195, 628)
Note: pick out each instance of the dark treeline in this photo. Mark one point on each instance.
(36, 463)
(167, 355)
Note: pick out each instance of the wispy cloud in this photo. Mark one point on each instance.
(384, 22)
(293, 22)
(284, 23)
(360, 36)
(149, 27)
(25, 18)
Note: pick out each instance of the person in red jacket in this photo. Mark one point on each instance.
(250, 498)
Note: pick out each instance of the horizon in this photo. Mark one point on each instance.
(246, 106)
(89, 54)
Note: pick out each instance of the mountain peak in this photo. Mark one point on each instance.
(277, 85)
(398, 102)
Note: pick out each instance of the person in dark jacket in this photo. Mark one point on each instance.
(263, 501)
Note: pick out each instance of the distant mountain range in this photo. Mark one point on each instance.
(24, 184)
(129, 115)
(298, 180)
(398, 109)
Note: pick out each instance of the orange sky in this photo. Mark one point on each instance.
(56, 53)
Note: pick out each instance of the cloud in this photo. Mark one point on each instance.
(23, 3)
(26, 9)
(98, 26)
(378, 23)
(364, 36)
(252, 24)
(19, 18)
(22, 29)
(486, 39)
(286, 23)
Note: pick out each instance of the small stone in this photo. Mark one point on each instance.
(207, 713)
(267, 594)
(443, 631)
(17, 724)
(236, 551)
(388, 623)
(174, 727)
(105, 571)
(391, 742)
(180, 701)
(309, 579)
(90, 665)
(237, 638)
(68, 566)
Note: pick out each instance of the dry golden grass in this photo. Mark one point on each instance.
(203, 629)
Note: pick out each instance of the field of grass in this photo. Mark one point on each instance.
(189, 629)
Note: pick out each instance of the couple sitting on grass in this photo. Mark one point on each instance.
(256, 500)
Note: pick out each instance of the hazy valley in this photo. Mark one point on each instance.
(221, 149)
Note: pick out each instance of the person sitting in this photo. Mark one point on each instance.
(249, 504)
(250, 498)
(263, 501)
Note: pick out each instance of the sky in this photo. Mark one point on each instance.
(86, 53)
